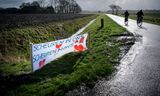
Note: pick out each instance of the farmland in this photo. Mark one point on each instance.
(8, 21)
(38, 26)
(14, 42)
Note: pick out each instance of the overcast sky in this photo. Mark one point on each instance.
(95, 5)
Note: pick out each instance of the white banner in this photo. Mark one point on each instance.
(44, 53)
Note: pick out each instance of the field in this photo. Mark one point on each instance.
(36, 29)
(64, 74)
(15, 48)
(21, 20)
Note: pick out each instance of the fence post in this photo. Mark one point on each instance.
(89, 40)
(31, 44)
(5, 47)
(102, 23)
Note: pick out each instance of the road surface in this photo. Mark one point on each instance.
(139, 71)
(83, 28)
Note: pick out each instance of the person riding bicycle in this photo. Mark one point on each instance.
(139, 17)
(126, 14)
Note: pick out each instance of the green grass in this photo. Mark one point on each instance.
(73, 69)
(16, 40)
(14, 43)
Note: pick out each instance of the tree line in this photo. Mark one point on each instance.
(40, 6)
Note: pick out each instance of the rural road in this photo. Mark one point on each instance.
(139, 71)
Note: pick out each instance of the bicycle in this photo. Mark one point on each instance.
(139, 21)
(126, 21)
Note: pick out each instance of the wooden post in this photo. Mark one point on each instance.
(89, 40)
(5, 44)
(31, 44)
(5, 47)
(102, 23)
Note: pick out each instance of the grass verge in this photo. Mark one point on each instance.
(14, 43)
(71, 70)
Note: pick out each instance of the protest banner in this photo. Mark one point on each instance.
(44, 53)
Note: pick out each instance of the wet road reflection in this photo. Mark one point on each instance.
(139, 71)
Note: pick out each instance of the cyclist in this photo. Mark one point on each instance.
(126, 14)
(139, 18)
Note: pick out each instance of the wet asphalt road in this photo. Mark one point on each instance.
(139, 71)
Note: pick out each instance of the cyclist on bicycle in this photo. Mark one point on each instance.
(126, 14)
(139, 18)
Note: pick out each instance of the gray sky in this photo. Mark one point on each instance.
(95, 5)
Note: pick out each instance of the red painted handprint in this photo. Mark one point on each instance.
(58, 46)
(79, 47)
(81, 40)
(41, 63)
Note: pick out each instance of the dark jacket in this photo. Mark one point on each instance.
(140, 14)
(126, 14)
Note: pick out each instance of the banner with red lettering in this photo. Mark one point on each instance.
(44, 53)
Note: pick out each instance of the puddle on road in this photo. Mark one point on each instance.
(132, 46)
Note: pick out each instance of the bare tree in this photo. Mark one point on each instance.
(67, 6)
(112, 7)
(24, 5)
(35, 3)
(115, 8)
(59, 6)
